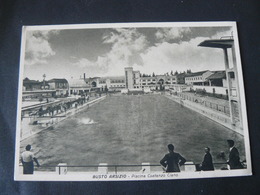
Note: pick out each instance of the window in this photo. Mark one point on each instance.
(232, 75)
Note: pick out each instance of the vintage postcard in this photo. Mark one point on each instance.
(131, 101)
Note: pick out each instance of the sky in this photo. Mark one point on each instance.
(69, 53)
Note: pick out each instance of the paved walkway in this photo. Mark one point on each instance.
(213, 114)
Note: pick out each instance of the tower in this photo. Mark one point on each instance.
(231, 72)
(129, 78)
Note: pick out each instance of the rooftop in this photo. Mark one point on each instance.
(78, 83)
(218, 75)
(196, 73)
(58, 80)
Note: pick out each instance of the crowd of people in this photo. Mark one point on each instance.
(61, 107)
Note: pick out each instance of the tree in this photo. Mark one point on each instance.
(172, 73)
(176, 72)
(188, 71)
(153, 74)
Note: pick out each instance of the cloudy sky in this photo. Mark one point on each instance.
(105, 52)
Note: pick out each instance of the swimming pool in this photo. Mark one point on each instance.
(131, 130)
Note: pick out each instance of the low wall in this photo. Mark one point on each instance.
(209, 113)
(209, 89)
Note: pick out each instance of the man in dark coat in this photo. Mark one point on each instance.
(207, 164)
(234, 160)
(172, 160)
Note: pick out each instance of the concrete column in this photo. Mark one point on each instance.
(103, 169)
(146, 168)
(228, 83)
(190, 167)
(62, 169)
(237, 84)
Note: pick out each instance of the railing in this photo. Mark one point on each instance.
(62, 168)
(206, 103)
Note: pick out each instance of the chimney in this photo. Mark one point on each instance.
(84, 76)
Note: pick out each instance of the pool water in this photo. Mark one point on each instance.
(131, 130)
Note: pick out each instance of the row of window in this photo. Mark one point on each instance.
(112, 81)
(117, 86)
(148, 80)
(193, 78)
(117, 81)
(155, 83)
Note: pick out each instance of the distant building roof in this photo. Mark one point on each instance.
(58, 80)
(31, 82)
(78, 83)
(112, 78)
(115, 77)
(28, 81)
(217, 75)
(196, 73)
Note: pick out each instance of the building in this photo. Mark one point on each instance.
(134, 80)
(217, 79)
(32, 85)
(181, 78)
(33, 89)
(60, 85)
(78, 87)
(112, 83)
(198, 78)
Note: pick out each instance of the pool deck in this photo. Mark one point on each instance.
(28, 130)
(214, 115)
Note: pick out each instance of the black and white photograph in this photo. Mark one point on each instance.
(131, 101)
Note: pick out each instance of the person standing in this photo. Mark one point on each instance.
(172, 160)
(27, 159)
(207, 164)
(234, 159)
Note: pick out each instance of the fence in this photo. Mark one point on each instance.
(214, 106)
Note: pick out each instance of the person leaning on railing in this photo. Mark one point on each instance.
(27, 159)
(234, 159)
(207, 164)
(172, 160)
